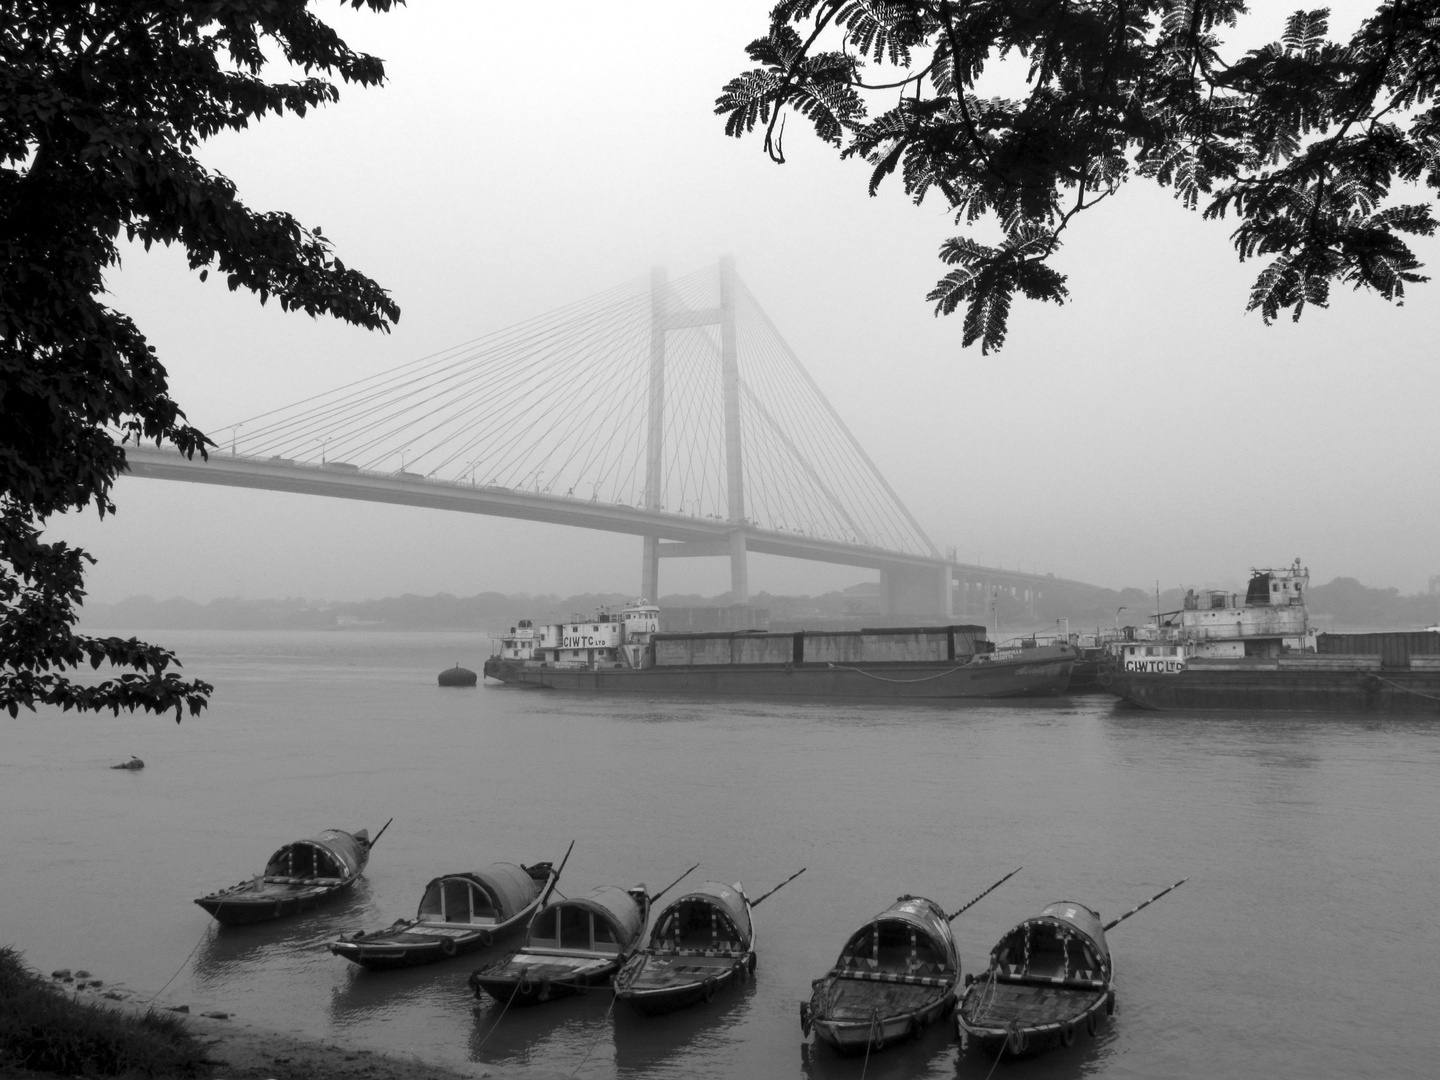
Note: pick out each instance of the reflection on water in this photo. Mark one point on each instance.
(644, 1044)
(229, 951)
(560, 1033)
(363, 994)
(927, 1055)
(1311, 843)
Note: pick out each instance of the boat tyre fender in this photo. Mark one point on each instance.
(805, 1018)
(487, 938)
(917, 1023)
(1092, 1023)
(707, 990)
(1110, 1003)
(750, 963)
(1105, 678)
(1067, 1035)
(447, 946)
(544, 994)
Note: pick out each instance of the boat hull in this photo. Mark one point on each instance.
(654, 984)
(533, 980)
(859, 1034)
(1341, 691)
(1039, 672)
(238, 909)
(411, 946)
(1019, 1020)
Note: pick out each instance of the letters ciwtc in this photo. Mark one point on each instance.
(1164, 665)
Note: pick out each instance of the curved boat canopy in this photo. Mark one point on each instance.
(604, 920)
(332, 854)
(1066, 941)
(911, 937)
(710, 918)
(487, 896)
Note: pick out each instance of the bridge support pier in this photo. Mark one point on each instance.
(650, 570)
(739, 571)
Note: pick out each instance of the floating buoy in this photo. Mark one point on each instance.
(458, 676)
(133, 763)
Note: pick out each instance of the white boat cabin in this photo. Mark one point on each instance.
(1269, 620)
(609, 639)
(520, 643)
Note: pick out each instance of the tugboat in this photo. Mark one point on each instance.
(1260, 653)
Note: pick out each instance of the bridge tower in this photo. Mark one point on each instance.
(666, 314)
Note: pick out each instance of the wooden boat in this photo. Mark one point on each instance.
(1049, 978)
(300, 876)
(895, 977)
(458, 914)
(701, 942)
(571, 945)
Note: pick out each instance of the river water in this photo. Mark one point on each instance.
(1301, 946)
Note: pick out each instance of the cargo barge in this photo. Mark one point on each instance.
(1260, 654)
(626, 652)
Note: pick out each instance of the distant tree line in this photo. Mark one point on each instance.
(1343, 603)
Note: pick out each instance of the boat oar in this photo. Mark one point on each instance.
(672, 884)
(777, 888)
(379, 834)
(1116, 922)
(987, 892)
(555, 879)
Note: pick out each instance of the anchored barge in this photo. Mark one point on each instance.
(625, 651)
(1260, 653)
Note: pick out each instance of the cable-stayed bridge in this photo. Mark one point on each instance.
(667, 409)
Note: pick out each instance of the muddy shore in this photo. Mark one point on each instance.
(241, 1050)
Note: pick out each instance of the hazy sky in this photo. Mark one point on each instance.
(1148, 430)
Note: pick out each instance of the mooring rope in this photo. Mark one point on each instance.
(503, 1011)
(1003, 1047)
(203, 934)
(1398, 686)
(882, 678)
(598, 1033)
(870, 1041)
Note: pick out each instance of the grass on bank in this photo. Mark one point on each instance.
(45, 1029)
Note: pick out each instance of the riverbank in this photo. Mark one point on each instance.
(68, 1025)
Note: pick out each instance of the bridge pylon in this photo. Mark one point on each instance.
(668, 313)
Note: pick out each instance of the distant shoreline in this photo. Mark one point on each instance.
(1343, 605)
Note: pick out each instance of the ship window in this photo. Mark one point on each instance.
(457, 900)
(605, 937)
(574, 928)
(1149, 651)
(544, 933)
(893, 946)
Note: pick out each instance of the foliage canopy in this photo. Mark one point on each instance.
(102, 107)
(1302, 140)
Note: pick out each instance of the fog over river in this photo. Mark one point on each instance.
(1301, 946)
